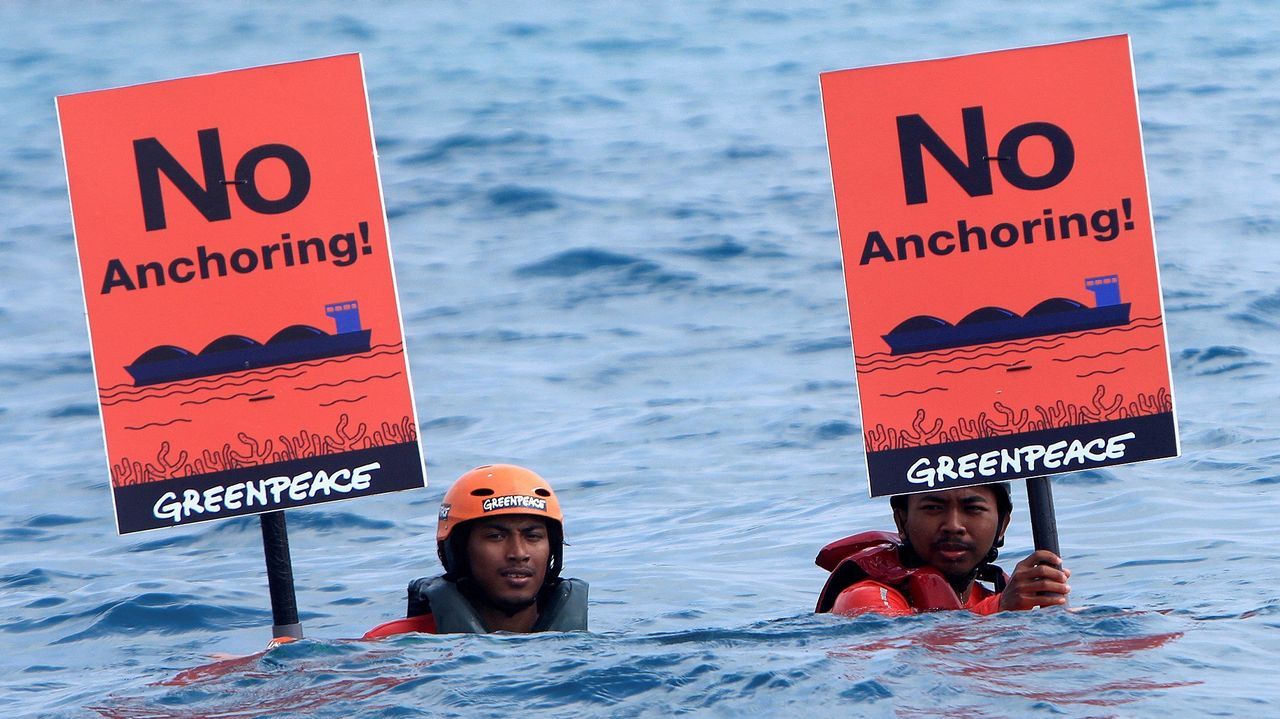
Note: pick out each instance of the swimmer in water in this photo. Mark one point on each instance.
(500, 537)
(943, 553)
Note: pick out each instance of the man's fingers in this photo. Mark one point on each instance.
(1039, 580)
(1053, 576)
(1045, 572)
(1045, 557)
(1044, 599)
(1051, 588)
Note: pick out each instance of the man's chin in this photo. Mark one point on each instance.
(955, 570)
(517, 596)
(504, 594)
(513, 604)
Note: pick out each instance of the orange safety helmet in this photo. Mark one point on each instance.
(491, 490)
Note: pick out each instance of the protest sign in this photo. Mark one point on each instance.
(246, 336)
(1000, 265)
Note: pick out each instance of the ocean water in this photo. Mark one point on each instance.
(615, 241)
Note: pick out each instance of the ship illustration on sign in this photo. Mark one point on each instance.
(234, 353)
(924, 333)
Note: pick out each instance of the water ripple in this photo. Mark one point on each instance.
(159, 612)
(462, 145)
(572, 263)
(518, 200)
(1217, 360)
(775, 667)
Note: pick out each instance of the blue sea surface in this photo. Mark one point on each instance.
(617, 259)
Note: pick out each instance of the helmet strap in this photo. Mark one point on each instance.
(555, 535)
(907, 553)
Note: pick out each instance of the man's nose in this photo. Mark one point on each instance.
(517, 548)
(951, 521)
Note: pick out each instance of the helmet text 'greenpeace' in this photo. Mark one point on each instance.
(515, 500)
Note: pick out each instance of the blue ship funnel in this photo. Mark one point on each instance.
(346, 315)
(1105, 289)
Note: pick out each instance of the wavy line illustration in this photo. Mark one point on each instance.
(887, 358)
(916, 391)
(262, 399)
(340, 401)
(346, 381)
(956, 359)
(982, 350)
(990, 366)
(216, 399)
(1103, 354)
(1133, 324)
(107, 393)
(160, 424)
(201, 389)
(1101, 371)
(209, 382)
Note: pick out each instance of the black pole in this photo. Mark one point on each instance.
(284, 603)
(1044, 526)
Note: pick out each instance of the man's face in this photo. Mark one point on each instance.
(952, 530)
(509, 557)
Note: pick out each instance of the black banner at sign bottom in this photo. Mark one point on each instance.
(268, 487)
(1030, 454)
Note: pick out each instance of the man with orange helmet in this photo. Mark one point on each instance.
(500, 537)
(945, 547)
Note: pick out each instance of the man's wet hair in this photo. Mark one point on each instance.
(1004, 503)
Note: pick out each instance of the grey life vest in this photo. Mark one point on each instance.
(562, 609)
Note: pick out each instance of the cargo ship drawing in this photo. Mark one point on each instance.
(234, 353)
(924, 333)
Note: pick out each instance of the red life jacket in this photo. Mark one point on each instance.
(874, 555)
(424, 623)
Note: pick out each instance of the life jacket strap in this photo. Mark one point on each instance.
(562, 608)
(440, 598)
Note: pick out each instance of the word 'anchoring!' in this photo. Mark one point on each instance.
(1104, 225)
(342, 249)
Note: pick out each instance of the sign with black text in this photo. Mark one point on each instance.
(1000, 265)
(246, 336)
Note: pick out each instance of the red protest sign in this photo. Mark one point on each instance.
(246, 336)
(1000, 265)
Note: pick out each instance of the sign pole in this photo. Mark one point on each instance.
(284, 603)
(1044, 525)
